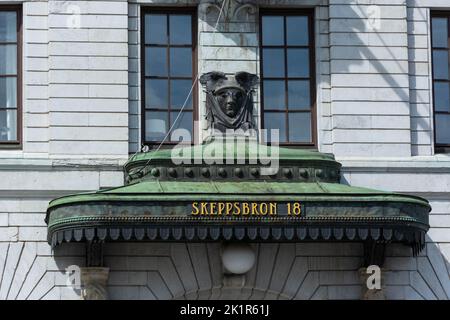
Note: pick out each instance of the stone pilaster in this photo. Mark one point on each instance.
(369, 79)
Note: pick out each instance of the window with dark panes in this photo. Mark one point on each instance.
(10, 102)
(440, 26)
(287, 76)
(169, 43)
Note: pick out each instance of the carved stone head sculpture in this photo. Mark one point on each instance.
(229, 102)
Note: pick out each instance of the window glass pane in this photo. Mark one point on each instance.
(441, 96)
(440, 64)
(299, 95)
(8, 92)
(156, 125)
(179, 92)
(8, 125)
(169, 59)
(184, 121)
(298, 63)
(272, 31)
(155, 61)
(180, 29)
(275, 120)
(274, 95)
(300, 127)
(8, 59)
(181, 62)
(442, 128)
(297, 31)
(156, 92)
(273, 63)
(439, 32)
(8, 26)
(155, 29)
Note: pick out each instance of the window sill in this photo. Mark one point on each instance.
(442, 149)
(10, 146)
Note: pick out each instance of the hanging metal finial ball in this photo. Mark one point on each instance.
(222, 172)
(172, 172)
(254, 172)
(189, 172)
(304, 173)
(287, 172)
(238, 172)
(205, 172)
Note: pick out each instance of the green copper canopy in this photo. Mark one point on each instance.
(157, 202)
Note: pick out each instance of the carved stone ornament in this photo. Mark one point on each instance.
(229, 102)
(94, 281)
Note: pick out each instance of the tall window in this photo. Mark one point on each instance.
(440, 25)
(287, 72)
(169, 44)
(10, 100)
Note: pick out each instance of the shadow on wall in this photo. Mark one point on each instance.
(359, 46)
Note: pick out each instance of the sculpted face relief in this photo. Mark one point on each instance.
(230, 101)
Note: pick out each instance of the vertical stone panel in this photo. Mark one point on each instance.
(35, 77)
(364, 69)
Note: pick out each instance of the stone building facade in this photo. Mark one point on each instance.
(79, 111)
